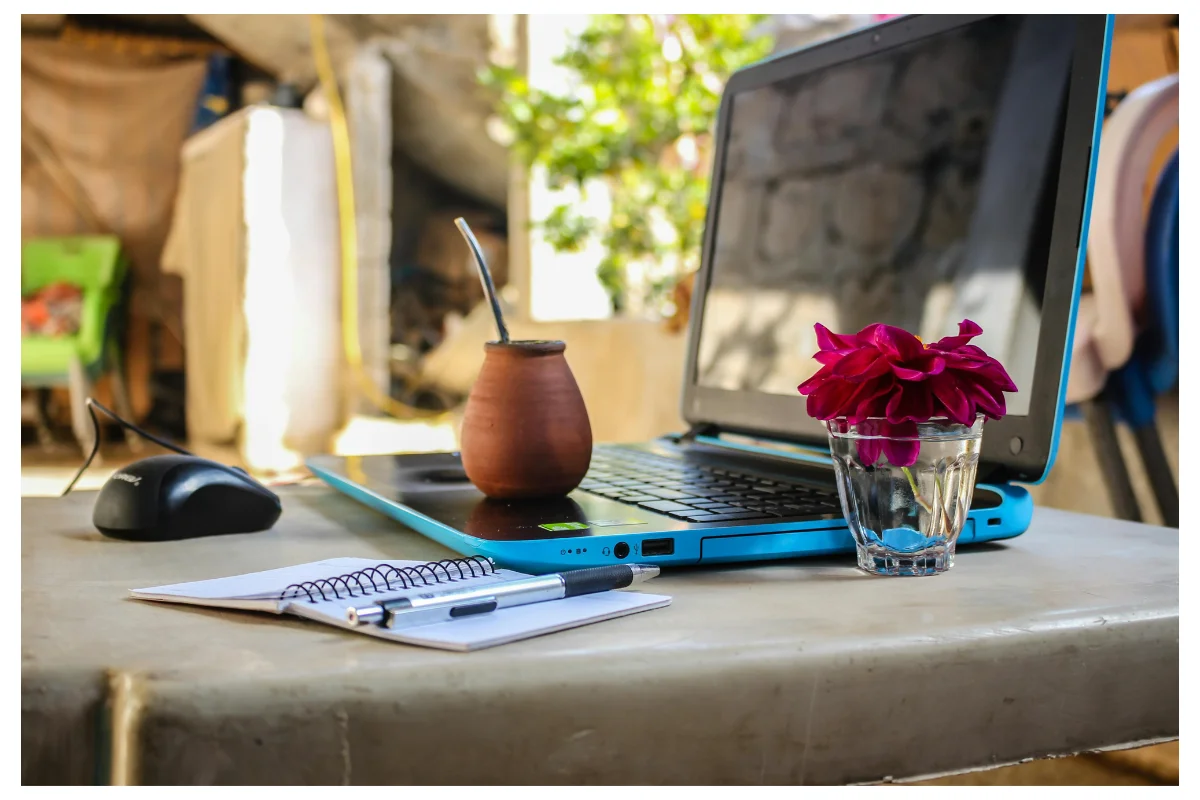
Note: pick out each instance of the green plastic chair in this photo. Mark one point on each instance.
(96, 265)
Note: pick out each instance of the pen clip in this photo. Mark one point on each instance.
(481, 606)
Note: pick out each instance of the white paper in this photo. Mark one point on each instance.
(262, 591)
(499, 627)
(260, 585)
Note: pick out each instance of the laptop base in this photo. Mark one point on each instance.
(586, 530)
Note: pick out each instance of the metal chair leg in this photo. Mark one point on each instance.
(1112, 463)
(41, 419)
(1158, 470)
(80, 388)
(121, 396)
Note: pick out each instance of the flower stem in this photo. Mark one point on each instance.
(942, 516)
(921, 501)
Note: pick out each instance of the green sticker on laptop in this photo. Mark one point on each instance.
(596, 523)
(563, 526)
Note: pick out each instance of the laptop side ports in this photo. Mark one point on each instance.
(658, 547)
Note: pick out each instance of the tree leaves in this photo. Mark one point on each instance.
(643, 104)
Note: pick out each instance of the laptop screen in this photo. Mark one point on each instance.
(913, 186)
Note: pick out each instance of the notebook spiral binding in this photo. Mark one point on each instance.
(385, 578)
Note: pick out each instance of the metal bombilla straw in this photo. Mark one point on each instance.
(485, 277)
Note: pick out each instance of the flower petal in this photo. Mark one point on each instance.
(900, 430)
(920, 369)
(967, 330)
(901, 447)
(868, 451)
(864, 391)
(912, 402)
(996, 374)
(872, 398)
(813, 383)
(862, 364)
(906, 374)
(974, 361)
(830, 399)
(828, 340)
(983, 401)
(951, 399)
(973, 358)
(897, 343)
(866, 337)
(902, 452)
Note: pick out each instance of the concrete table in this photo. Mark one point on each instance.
(1061, 641)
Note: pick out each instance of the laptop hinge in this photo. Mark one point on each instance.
(699, 429)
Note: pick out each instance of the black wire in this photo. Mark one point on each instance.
(92, 405)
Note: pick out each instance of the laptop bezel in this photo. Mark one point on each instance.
(1016, 448)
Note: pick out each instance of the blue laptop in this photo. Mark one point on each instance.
(918, 172)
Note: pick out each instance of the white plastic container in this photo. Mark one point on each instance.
(255, 239)
(292, 300)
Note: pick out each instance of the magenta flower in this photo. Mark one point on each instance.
(887, 376)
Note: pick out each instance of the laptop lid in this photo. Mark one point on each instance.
(917, 173)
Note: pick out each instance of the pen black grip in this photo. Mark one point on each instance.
(596, 579)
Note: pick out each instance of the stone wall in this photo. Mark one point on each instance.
(851, 190)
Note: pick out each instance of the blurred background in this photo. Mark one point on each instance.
(237, 232)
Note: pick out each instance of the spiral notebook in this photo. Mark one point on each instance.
(323, 590)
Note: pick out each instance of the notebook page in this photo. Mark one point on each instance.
(525, 622)
(499, 627)
(260, 591)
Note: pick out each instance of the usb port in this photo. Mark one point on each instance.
(658, 547)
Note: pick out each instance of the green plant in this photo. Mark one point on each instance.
(640, 118)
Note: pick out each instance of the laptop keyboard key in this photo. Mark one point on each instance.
(763, 510)
(665, 506)
(667, 494)
(730, 517)
(685, 489)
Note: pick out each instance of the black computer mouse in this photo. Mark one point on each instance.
(164, 498)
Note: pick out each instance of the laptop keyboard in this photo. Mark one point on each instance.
(700, 493)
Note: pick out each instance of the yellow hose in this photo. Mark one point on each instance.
(349, 232)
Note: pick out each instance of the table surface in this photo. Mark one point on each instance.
(1063, 640)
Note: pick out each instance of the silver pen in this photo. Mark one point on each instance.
(428, 608)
